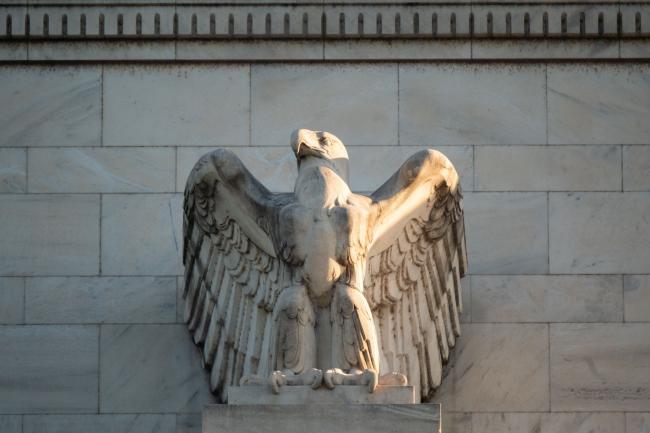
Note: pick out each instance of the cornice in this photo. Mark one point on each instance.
(317, 25)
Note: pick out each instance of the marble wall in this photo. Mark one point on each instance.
(554, 159)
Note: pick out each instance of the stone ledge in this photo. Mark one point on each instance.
(350, 418)
(348, 394)
(294, 50)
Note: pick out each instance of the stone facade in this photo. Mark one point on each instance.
(551, 142)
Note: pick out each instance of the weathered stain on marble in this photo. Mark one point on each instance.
(482, 376)
(544, 49)
(506, 233)
(276, 166)
(256, 50)
(583, 422)
(100, 300)
(46, 106)
(12, 297)
(600, 367)
(13, 171)
(547, 298)
(548, 168)
(138, 423)
(106, 170)
(507, 422)
(49, 369)
(359, 102)
(636, 168)
(204, 105)
(49, 234)
(637, 298)
(189, 423)
(456, 422)
(634, 48)
(471, 104)
(598, 104)
(92, 50)
(169, 377)
(599, 233)
(401, 49)
(536, 422)
(141, 234)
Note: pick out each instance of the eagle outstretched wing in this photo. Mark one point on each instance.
(232, 274)
(415, 263)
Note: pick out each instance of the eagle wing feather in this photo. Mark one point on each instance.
(232, 273)
(415, 263)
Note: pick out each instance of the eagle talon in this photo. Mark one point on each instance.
(354, 376)
(276, 380)
(333, 377)
(370, 378)
(312, 377)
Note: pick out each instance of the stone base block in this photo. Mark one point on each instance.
(260, 394)
(322, 418)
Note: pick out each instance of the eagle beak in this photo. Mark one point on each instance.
(300, 139)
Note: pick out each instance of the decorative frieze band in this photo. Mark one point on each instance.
(317, 32)
(307, 21)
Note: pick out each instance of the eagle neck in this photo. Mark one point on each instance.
(319, 184)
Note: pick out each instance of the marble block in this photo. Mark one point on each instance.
(13, 170)
(46, 106)
(48, 369)
(507, 232)
(189, 99)
(598, 104)
(151, 368)
(105, 170)
(100, 423)
(598, 233)
(599, 367)
(636, 297)
(11, 423)
(342, 417)
(49, 234)
(319, 96)
(348, 394)
(498, 367)
(12, 301)
(135, 225)
(471, 104)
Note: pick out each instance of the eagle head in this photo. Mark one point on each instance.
(322, 145)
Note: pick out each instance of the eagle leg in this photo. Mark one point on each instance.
(354, 340)
(295, 341)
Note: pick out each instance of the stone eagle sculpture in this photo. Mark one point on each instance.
(323, 286)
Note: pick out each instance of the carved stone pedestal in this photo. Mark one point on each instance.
(297, 409)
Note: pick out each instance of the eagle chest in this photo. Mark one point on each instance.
(322, 243)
